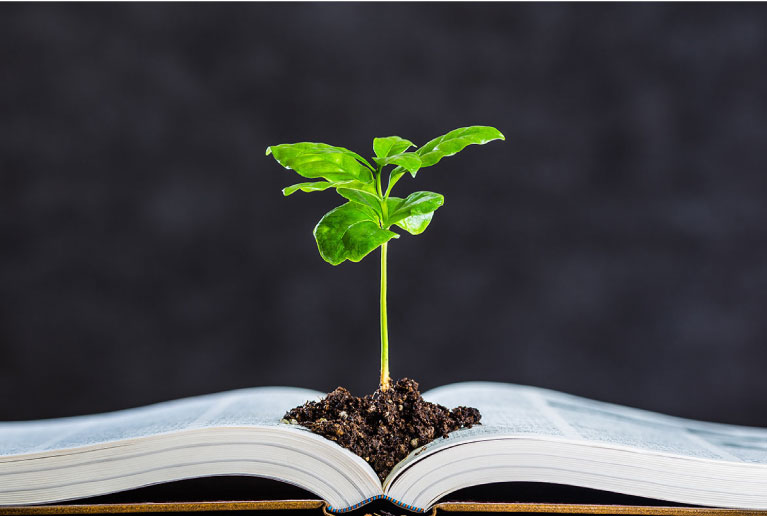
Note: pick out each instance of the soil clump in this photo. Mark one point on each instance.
(382, 427)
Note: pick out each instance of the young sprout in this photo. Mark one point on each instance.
(354, 229)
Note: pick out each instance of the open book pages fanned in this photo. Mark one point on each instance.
(527, 434)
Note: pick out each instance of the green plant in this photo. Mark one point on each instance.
(354, 229)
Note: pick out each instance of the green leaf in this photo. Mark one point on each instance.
(315, 160)
(349, 232)
(417, 203)
(359, 196)
(390, 145)
(455, 141)
(358, 185)
(318, 186)
(416, 224)
(448, 145)
(311, 186)
(410, 161)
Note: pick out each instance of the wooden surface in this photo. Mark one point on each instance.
(272, 505)
(128, 508)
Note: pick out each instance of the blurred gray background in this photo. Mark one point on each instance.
(613, 247)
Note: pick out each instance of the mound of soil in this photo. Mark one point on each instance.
(383, 427)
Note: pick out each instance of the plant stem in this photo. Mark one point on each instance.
(385, 380)
(378, 183)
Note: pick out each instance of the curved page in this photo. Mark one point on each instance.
(231, 433)
(532, 434)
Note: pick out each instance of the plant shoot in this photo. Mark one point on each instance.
(364, 223)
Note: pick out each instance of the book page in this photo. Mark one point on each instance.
(511, 410)
(259, 406)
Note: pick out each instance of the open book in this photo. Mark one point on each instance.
(527, 434)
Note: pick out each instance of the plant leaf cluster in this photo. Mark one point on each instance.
(364, 222)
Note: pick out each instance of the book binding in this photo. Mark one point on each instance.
(411, 508)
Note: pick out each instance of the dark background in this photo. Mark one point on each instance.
(613, 247)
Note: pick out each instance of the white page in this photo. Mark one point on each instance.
(259, 406)
(513, 410)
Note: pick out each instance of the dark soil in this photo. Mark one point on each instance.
(384, 427)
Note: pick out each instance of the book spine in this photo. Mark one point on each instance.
(411, 508)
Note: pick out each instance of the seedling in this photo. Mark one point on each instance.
(354, 229)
